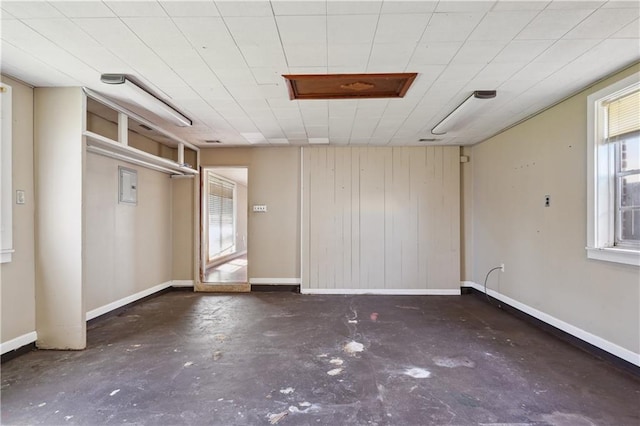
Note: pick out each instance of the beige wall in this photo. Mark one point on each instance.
(17, 282)
(127, 247)
(381, 218)
(274, 237)
(543, 249)
(242, 217)
(59, 225)
(466, 216)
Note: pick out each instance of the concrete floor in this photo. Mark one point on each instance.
(289, 359)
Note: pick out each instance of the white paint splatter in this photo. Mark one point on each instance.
(417, 373)
(353, 347)
(304, 404)
(336, 361)
(294, 409)
(114, 392)
(323, 356)
(334, 372)
(68, 417)
(275, 418)
(461, 361)
(136, 346)
(287, 391)
(220, 399)
(42, 405)
(353, 321)
(57, 411)
(188, 364)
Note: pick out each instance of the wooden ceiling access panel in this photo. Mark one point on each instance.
(348, 86)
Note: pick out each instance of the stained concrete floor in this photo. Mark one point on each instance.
(288, 359)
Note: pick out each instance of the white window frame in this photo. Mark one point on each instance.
(601, 193)
(6, 191)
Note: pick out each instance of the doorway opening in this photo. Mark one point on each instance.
(224, 260)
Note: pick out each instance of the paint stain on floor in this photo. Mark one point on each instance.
(460, 361)
(417, 373)
(353, 347)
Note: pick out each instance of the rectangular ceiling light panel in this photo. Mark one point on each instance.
(348, 86)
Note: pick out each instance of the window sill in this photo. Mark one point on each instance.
(5, 255)
(617, 255)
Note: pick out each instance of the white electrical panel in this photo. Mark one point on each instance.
(128, 191)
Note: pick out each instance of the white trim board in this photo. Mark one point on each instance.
(274, 281)
(137, 296)
(18, 342)
(384, 291)
(581, 334)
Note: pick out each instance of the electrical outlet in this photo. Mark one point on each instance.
(547, 200)
(20, 196)
(502, 267)
(260, 208)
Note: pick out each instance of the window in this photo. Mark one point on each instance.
(220, 211)
(6, 188)
(614, 172)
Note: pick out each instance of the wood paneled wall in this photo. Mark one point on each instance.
(385, 219)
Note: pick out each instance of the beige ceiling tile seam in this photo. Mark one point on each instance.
(373, 38)
(417, 43)
(515, 37)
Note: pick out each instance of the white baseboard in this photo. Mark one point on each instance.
(383, 291)
(581, 334)
(126, 300)
(182, 283)
(274, 281)
(18, 342)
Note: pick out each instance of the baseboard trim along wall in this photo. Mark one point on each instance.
(383, 291)
(274, 281)
(18, 342)
(574, 331)
(134, 297)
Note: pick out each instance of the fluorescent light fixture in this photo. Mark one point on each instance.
(134, 93)
(318, 141)
(459, 116)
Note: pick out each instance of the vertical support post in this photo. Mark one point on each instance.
(181, 154)
(123, 128)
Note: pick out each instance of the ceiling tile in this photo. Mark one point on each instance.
(257, 56)
(190, 8)
(204, 32)
(630, 31)
(450, 26)
(344, 55)
(566, 50)
(136, 8)
(503, 5)
(83, 9)
(460, 72)
(157, 33)
(602, 23)
(358, 7)
(538, 70)
(390, 56)
(493, 75)
(351, 29)
(502, 25)
(268, 75)
(302, 29)
(253, 30)
(401, 28)
(306, 55)
(286, 7)
(244, 8)
(31, 9)
(522, 50)
(553, 24)
(226, 57)
(464, 6)
(409, 7)
(478, 52)
(564, 4)
(437, 52)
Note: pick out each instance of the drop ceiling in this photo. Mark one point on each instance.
(221, 63)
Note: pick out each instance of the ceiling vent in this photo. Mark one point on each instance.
(349, 86)
(212, 141)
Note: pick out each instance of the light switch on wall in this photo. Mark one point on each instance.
(20, 196)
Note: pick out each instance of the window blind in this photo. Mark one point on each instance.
(623, 116)
(221, 215)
